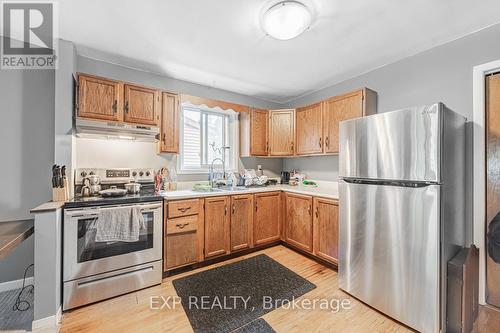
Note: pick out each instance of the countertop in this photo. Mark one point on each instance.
(327, 190)
(14, 233)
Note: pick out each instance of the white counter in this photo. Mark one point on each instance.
(327, 190)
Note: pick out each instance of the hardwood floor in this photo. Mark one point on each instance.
(132, 313)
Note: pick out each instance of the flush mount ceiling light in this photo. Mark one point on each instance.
(286, 20)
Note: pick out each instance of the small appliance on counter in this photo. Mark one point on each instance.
(285, 177)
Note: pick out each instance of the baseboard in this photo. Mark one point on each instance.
(16, 284)
(48, 324)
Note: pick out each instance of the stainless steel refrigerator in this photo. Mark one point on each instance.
(401, 198)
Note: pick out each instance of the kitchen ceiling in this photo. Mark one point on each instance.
(220, 43)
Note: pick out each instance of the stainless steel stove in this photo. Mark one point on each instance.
(95, 270)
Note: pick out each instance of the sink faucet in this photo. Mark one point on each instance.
(211, 175)
(222, 152)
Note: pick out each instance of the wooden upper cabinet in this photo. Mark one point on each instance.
(141, 105)
(169, 129)
(281, 132)
(266, 222)
(356, 104)
(259, 131)
(254, 133)
(217, 226)
(309, 130)
(241, 221)
(326, 229)
(299, 223)
(99, 98)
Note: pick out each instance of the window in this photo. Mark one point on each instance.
(203, 134)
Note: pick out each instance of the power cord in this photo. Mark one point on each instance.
(23, 305)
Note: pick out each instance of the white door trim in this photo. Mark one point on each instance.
(479, 153)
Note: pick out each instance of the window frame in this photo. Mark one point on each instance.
(230, 137)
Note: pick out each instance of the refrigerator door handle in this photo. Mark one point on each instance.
(399, 183)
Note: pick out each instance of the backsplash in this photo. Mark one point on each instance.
(315, 167)
(102, 153)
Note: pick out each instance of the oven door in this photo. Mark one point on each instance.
(83, 256)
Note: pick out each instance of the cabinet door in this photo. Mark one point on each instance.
(141, 105)
(336, 110)
(309, 130)
(169, 131)
(266, 225)
(299, 228)
(216, 226)
(259, 129)
(281, 132)
(99, 98)
(241, 221)
(326, 229)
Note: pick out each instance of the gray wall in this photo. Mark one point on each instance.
(441, 74)
(118, 72)
(27, 148)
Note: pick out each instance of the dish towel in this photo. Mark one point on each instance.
(119, 225)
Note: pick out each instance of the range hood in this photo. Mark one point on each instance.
(116, 130)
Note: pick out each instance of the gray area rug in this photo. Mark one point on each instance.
(225, 298)
(256, 326)
(11, 320)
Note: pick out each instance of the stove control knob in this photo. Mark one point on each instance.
(148, 174)
(91, 173)
(141, 174)
(83, 174)
(134, 173)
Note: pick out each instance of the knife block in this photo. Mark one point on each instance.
(61, 193)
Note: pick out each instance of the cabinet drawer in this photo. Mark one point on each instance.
(182, 224)
(183, 208)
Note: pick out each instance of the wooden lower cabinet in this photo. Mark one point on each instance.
(299, 224)
(266, 222)
(326, 229)
(241, 221)
(217, 226)
(200, 229)
(183, 236)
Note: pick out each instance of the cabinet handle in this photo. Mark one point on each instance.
(234, 208)
(126, 107)
(317, 213)
(163, 138)
(115, 106)
(267, 146)
(181, 225)
(225, 210)
(320, 142)
(184, 209)
(255, 206)
(327, 142)
(291, 145)
(309, 209)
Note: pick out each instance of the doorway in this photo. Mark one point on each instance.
(492, 114)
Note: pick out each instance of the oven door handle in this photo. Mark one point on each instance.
(95, 211)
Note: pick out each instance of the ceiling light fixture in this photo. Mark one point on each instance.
(286, 20)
